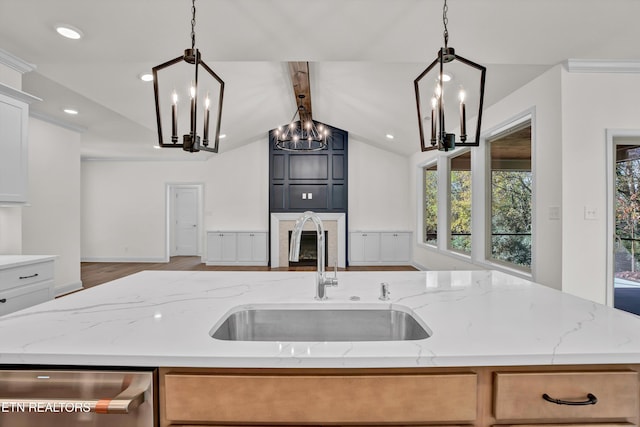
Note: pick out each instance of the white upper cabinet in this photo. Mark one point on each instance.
(14, 121)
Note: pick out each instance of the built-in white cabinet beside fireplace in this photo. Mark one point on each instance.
(236, 248)
(380, 248)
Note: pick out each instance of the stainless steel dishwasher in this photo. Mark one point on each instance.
(68, 398)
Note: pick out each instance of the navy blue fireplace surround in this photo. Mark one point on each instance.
(309, 180)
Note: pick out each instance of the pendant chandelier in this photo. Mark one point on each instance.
(305, 134)
(448, 88)
(190, 96)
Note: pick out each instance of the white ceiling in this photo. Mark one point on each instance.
(364, 56)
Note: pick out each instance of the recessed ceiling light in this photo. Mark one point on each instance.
(223, 136)
(71, 111)
(157, 147)
(69, 32)
(146, 77)
(389, 136)
(446, 77)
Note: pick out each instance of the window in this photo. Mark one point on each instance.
(511, 189)
(430, 208)
(460, 203)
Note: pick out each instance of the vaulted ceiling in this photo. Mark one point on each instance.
(363, 57)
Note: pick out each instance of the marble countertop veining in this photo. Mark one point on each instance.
(164, 318)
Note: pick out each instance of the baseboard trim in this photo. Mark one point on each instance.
(419, 266)
(122, 259)
(67, 289)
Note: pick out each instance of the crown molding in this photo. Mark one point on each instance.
(12, 61)
(18, 94)
(602, 66)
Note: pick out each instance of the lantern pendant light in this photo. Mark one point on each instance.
(449, 88)
(187, 77)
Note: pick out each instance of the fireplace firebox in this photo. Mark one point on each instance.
(309, 249)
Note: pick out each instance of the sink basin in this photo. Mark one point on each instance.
(319, 324)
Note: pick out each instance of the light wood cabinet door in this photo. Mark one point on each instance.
(519, 396)
(330, 399)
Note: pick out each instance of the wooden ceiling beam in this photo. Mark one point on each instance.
(299, 72)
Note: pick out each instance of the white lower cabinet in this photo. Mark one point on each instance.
(236, 248)
(395, 246)
(221, 246)
(26, 284)
(364, 247)
(252, 247)
(380, 248)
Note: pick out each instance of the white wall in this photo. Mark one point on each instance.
(51, 220)
(123, 203)
(543, 95)
(378, 192)
(10, 230)
(592, 103)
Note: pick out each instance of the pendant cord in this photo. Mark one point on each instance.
(193, 24)
(445, 21)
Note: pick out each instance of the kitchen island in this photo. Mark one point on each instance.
(496, 341)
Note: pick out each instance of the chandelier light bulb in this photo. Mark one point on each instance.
(174, 97)
(192, 90)
(207, 102)
(438, 90)
(462, 95)
(434, 102)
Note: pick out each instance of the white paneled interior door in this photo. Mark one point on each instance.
(186, 220)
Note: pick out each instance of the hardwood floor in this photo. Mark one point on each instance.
(96, 273)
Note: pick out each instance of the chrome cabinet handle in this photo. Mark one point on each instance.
(591, 400)
(29, 277)
(128, 400)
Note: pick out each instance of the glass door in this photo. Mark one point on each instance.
(626, 258)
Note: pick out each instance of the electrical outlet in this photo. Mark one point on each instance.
(590, 213)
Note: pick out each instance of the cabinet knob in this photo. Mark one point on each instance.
(3, 300)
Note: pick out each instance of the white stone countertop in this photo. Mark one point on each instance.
(8, 261)
(164, 318)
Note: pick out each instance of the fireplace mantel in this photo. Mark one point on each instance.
(283, 222)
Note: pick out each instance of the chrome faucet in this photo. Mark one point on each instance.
(294, 252)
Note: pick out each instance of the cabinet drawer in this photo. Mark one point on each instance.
(319, 399)
(23, 297)
(26, 274)
(518, 396)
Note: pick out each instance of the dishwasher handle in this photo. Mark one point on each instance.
(128, 400)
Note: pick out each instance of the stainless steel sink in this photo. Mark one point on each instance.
(319, 324)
